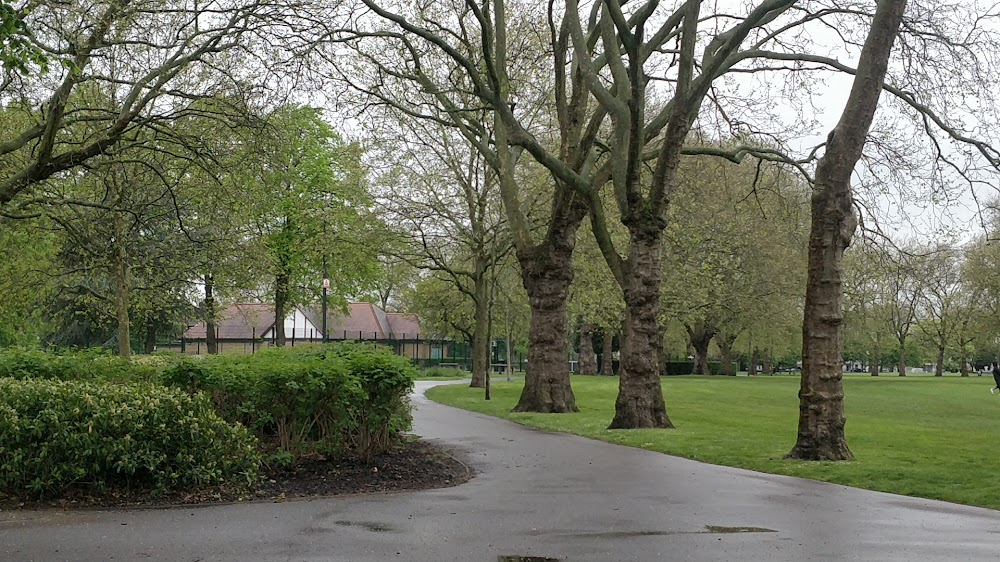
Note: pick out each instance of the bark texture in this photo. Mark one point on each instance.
(211, 341)
(700, 335)
(481, 331)
(481, 297)
(150, 346)
(874, 361)
(280, 303)
(640, 396)
(607, 353)
(754, 359)
(123, 287)
(726, 342)
(588, 357)
(821, 395)
(547, 272)
(901, 364)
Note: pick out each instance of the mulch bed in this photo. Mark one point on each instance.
(412, 465)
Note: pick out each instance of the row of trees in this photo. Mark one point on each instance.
(941, 295)
(538, 119)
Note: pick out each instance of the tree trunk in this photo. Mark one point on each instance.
(480, 335)
(902, 356)
(510, 349)
(700, 336)
(725, 343)
(640, 396)
(939, 365)
(965, 362)
(122, 287)
(547, 272)
(607, 353)
(150, 346)
(211, 340)
(588, 358)
(874, 361)
(768, 362)
(754, 358)
(280, 303)
(821, 395)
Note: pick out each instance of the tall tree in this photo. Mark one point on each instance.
(821, 394)
(940, 272)
(314, 206)
(442, 197)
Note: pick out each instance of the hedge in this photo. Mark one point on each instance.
(25, 364)
(56, 435)
(672, 368)
(341, 399)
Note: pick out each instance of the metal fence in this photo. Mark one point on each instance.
(423, 352)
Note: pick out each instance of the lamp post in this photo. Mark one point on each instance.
(326, 287)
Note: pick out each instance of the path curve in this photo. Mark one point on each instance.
(535, 494)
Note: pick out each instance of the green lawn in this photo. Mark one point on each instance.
(919, 436)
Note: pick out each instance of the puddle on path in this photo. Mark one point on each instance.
(720, 529)
(372, 526)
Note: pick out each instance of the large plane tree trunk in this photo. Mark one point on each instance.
(725, 342)
(640, 396)
(547, 272)
(588, 358)
(700, 335)
(607, 353)
(821, 395)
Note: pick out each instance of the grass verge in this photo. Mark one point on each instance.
(918, 436)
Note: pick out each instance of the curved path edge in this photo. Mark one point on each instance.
(534, 493)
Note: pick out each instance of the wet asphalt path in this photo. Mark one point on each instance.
(535, 494)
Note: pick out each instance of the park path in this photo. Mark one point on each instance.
(535, 494)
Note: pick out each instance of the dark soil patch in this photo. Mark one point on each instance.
(411, 465)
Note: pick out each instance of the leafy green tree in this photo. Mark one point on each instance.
(734, 253)
(442, 197)
(27, 250)
(310, 204)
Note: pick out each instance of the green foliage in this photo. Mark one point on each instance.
(346, 399)
(311, 202)
(55, 435)
(17, 52)
(438, 372)
(93, 365)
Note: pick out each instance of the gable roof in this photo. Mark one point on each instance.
(404, 325)
(362, 321)
(237, 322)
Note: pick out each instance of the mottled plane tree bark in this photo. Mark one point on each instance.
(821, 395)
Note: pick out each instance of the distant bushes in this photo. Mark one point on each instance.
(345, 399)
(443, 373)
(58, 434)
(672, 368)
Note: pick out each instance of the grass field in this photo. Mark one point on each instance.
(919, 435)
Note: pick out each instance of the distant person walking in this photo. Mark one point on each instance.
(996, 377)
